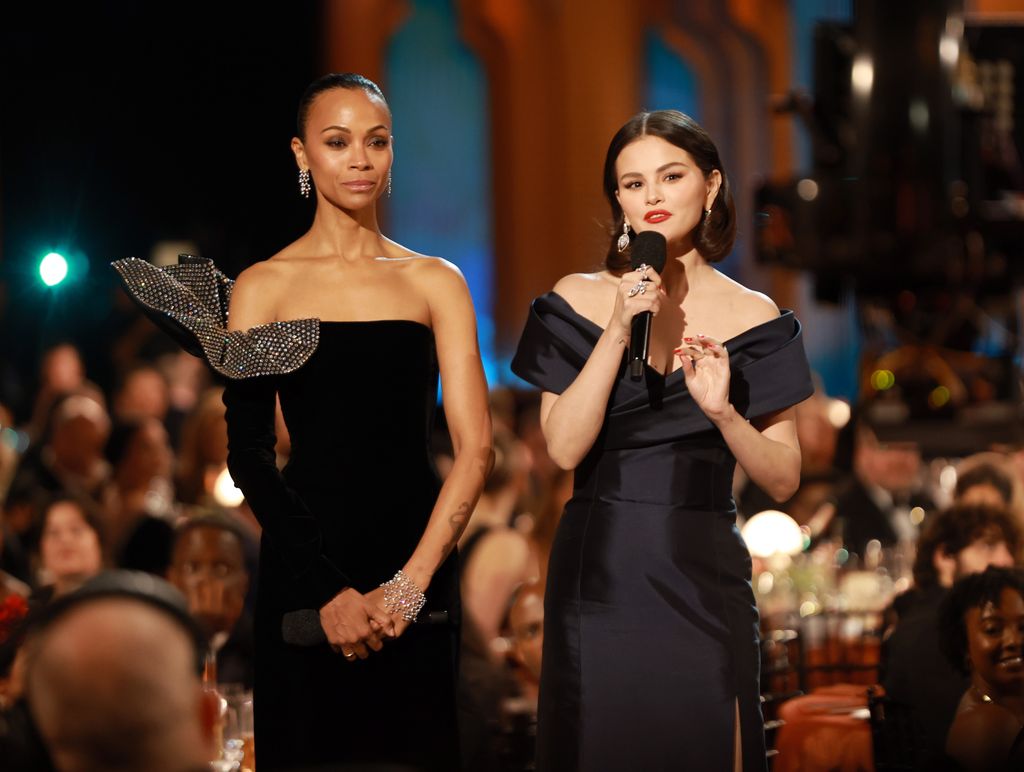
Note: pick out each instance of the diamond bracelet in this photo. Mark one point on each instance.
(402, 596)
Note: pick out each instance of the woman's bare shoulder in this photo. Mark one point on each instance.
(590, 294)
(982, 734)
(749, 307)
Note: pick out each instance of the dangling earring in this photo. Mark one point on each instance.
(389, 184)
(623, 241)
(707, 213)
(304, 186)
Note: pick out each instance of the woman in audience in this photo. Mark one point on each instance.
(982, 629)
(70, 548)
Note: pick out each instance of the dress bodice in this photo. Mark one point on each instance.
(364, 401)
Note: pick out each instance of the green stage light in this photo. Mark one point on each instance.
(53, 269)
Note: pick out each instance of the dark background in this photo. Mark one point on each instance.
(127, 123)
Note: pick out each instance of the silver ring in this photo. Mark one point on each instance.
(638, 289)
(348, 655)
(643, 268)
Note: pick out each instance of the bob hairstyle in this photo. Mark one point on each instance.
(716, 232)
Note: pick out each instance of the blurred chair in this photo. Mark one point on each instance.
(893, 735)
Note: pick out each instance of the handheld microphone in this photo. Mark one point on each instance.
(649, 248)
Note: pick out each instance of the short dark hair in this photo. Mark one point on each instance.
(208, 517)
(716, 232)
(92, 515)
(954, 529)
(972, 591)
(333, 80)
(986, 474)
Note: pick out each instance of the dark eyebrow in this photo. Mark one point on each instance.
(660, 169)
(347, 130)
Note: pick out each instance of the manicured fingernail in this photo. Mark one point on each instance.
(700, 336)
(688, 340)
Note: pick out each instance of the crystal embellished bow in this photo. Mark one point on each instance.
(190, 301)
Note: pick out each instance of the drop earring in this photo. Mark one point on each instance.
(389, 184)
(623, 241)
(304, 185)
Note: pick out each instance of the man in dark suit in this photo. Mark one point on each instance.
(882, 501)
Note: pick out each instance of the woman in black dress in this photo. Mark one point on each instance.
(650, 644)
(350, 331)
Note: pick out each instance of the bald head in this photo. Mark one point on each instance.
(112, 686)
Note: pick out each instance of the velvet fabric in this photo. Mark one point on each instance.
(347, 511)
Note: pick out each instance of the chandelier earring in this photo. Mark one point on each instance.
(304, 184)
(389, 184)
(623, 241)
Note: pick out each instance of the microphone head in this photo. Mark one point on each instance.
(649, 247)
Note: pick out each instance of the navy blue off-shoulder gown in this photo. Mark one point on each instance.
(650, 626)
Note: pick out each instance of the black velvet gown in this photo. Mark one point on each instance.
(346, 511)
(650, 624)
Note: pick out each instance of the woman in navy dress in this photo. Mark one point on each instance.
(350, 331)
(651, 642)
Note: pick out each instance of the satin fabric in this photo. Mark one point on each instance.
(651, 629)
(347, 510)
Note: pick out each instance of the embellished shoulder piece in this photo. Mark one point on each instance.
(190, 302)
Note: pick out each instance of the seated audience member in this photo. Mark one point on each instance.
(982, 629)
(203, 450)
(208, 567)
(495, 558)
(61, 371)
(142, 393)
(988, 478)
(112, 680)
(70, 458)
(960, 541)
(878, 500)
(140, 505)
(526, 633)
(70, 548)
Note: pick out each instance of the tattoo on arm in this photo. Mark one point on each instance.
(457, 521)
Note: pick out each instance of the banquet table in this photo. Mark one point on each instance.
(825, 731)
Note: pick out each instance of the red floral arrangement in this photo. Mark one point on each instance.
(12, 610)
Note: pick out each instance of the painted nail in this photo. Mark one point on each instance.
(688, 340)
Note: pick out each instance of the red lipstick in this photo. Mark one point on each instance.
(657, 215)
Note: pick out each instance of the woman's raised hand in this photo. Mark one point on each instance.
(705, 364)
(638, 291)
(354, 623)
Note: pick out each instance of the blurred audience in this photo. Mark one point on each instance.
(960, 541)
(495, 558)
(142, 393)
(989, 478)
(883, 500)
(140, 502)
(203, 452)
(70, 548)
(982, 629)
(208, 567)
(111, 681)
(69, 459)
(526, 636)
(61, 371)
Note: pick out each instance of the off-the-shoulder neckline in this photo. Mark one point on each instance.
(783, 314)
(322, 322)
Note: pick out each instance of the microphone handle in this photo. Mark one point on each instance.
(639, 342)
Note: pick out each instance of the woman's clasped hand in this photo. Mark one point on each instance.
(355, 623)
